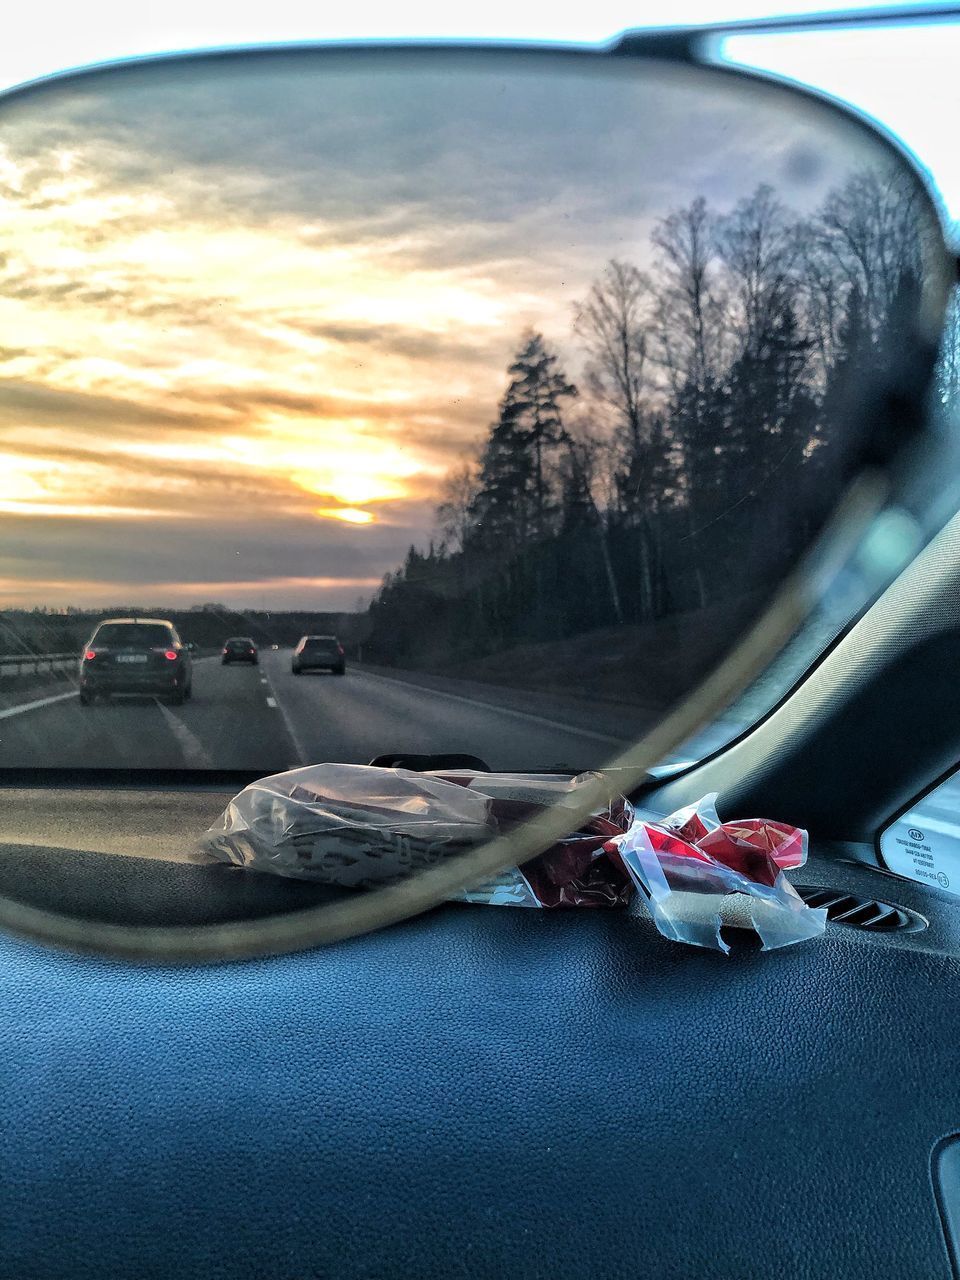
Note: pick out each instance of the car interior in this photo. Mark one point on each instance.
(211, 1069)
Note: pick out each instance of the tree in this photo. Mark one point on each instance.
(771, 416)
(534, 398)
(757, 247)
(614, 322)
(499, 518)
(720, 385)
(691, 323)
(872, 227)
(580, 511)
(693, 344)
(455, 510)
(518, 485)
(821, 293)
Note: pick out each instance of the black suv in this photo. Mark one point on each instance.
(135, 655)
(319, 653)
(239, 649)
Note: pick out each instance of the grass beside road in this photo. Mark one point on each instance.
(647, 668)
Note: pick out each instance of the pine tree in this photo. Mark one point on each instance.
(535, 394)
(518, 492)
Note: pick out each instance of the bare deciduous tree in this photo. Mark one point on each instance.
(613, 322)
(690, 327)
(870, 228)
(756, 244)
(455, 509)
(822, 295)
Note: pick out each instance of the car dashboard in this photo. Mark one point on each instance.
(475, 1092)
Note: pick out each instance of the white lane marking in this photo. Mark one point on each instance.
(288, 725)
(507, 711)
(272, 702)
(33, 706)
(263, 679)
(194, 753)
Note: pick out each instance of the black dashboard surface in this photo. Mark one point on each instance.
(485, 1092)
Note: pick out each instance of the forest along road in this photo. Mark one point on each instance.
(265, 719)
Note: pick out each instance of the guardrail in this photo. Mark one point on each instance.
(25, 664)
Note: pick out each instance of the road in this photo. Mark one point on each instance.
(265, 718)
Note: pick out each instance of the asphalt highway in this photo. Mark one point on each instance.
(265, 718)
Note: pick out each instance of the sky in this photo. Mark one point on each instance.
(249, 319)
(904, 76)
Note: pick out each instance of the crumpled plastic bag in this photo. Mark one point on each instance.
(687, 864)
(347, 824)
(358, 826)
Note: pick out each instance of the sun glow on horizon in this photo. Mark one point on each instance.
(350, 515)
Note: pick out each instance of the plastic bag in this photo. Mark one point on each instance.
(349, 825)
(687, 864)
(358, 826)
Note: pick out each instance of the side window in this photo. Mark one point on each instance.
(923, 844)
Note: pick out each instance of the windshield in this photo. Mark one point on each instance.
(514, 421)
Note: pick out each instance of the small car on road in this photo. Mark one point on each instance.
(135, 655)
(319, 653)
(239, 649)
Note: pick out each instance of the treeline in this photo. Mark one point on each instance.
(42, 631)
(705, 433)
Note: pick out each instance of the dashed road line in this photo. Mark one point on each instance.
(272, 702)
(298, 747)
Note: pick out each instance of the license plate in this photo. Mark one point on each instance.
(131, 657)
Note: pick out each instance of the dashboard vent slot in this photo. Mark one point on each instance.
(860, 913)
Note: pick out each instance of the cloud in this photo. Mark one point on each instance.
(63, 561)
(240, 292)
(409, 342)
(40, 404)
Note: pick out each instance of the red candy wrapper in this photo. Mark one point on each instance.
(579, 871)
(687, 864)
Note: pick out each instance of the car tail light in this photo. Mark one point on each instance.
(89, 655)
(340, 650)
(170, 655)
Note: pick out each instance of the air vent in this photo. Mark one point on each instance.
(860, 913)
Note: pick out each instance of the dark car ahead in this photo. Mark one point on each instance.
(239, 649)
(135, 655)
(319, 653)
